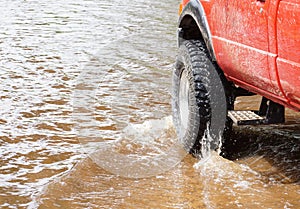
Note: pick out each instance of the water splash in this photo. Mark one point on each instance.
(146, 150)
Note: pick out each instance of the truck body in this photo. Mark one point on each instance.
(256, 43)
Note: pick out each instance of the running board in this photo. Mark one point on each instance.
(246, 118)
(268, 113)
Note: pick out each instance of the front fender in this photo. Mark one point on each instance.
(195, 10)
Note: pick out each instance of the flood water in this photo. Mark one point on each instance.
(80, 75)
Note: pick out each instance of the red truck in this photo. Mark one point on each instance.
(228, 49)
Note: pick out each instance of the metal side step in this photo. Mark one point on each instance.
(245, 118)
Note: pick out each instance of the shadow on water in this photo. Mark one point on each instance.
(276, 145)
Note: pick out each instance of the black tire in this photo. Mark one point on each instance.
(198, 101)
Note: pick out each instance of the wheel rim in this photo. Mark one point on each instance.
(184, 99)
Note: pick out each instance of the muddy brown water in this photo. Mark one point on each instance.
(46, 48)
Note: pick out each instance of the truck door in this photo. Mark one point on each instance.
(288, 45)
(245, 45)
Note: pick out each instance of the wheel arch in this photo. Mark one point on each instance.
(193, 25)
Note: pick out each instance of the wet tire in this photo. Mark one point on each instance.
(198, 100)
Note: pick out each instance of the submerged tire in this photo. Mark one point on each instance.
(198, 101)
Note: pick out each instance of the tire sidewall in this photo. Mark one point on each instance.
(188, 137)
(205, 126)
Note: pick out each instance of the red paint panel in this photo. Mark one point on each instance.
(241, 42)
(288, 40)
(272, 27)
(258, 45)
(184, 2)
(247, 23)
(289, 73)
(215, 11)
(288, 31)
(244, 63)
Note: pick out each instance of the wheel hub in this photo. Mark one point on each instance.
(184, 99)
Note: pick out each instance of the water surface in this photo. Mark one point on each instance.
(45, 48)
